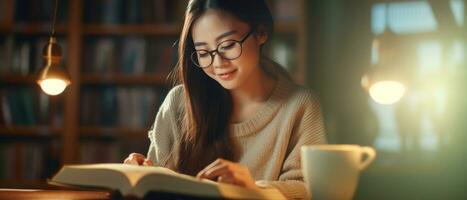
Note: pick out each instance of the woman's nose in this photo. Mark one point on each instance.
(219, 61)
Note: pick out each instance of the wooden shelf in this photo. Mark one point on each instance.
(161, 29)
(143, 79)
(44, 132)
(19, 79)
(94, 132)
(37, 28)
(138, 29)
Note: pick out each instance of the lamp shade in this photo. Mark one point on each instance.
(52, 78)
(386, 81)
(384, 86)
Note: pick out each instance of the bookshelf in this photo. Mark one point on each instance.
(117, 85)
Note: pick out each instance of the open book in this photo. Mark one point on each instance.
(139, 180)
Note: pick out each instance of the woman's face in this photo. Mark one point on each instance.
(215, 27)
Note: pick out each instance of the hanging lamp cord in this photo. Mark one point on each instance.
(54, 18)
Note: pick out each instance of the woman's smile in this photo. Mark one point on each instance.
(226, 75)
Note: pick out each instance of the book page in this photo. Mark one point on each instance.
(118, 176)
(89, 176)
(138, 180)
(180, 184)
(133, 172)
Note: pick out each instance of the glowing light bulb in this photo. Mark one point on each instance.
(387, 92)
(53, 86)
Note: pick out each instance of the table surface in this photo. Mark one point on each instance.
(64, 194)
(19, 194)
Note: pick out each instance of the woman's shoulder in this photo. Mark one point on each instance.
(288, 88)
(303, 95)
(174, 98)
(291, 92)
(176, 92)
(305, 92)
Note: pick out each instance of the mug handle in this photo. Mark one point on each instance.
(371, 155)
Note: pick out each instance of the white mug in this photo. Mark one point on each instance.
(331, 171)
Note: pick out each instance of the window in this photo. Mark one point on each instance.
(416, 122)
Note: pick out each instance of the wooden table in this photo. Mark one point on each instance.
(52, 194)
(19, 194)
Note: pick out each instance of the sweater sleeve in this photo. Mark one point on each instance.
(165, 130)
(308, 130)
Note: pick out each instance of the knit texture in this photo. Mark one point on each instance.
(269, 141)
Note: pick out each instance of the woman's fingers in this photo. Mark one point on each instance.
(216, 162)
(135, 159)
(228, 172)
(128, 161)
(148, 162)
(229, 179)
(216, 171)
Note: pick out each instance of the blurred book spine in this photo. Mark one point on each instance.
(111, 106)
(8, 164)
(27, 11)
(33, 155)
(133, 11)
(24, 160)
(129, 55)
(24, 106)
(22, 55)
(99, 151)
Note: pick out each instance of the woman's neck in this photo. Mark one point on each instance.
(251, 94)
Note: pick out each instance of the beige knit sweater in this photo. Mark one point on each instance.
(269, 141)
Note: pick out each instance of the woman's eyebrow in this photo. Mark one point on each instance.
(223, 35)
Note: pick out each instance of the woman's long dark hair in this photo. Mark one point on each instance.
(207, 105)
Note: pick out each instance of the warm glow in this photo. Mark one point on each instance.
(387, 92)
(53, 86)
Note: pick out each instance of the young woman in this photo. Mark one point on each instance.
(235, 117)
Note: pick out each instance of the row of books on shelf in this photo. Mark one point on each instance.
(39, 10)
(125, 11)
(134, 11)
(27, 160)
(163, 11)
(22, 55)
(94, 151)
(129, 55)
(32, 160)
(27, 106)
(120, 106)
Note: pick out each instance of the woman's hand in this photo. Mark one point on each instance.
(228, 172)
(137, 159)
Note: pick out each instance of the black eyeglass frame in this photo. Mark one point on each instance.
(194, 54)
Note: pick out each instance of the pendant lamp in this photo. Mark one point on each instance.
(385, 81)
(53, 79)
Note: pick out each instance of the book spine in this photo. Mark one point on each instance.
(112, 11)
(6, 109)
(38, 11)
(8, 164)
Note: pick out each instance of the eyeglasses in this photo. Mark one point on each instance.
(229, 50)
